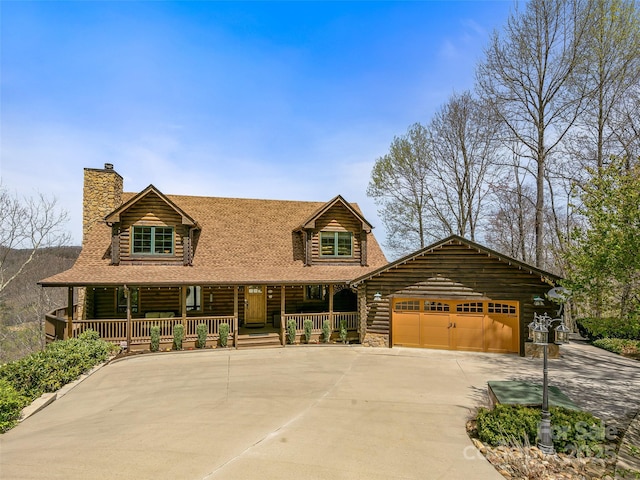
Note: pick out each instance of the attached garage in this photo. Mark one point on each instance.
(487, 326)
(456, 295)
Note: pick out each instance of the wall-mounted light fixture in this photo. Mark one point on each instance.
(377, 297)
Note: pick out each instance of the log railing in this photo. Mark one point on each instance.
(319, 318)
(115, 329)
(55, 323)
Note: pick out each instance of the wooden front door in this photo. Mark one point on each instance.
(255, 310)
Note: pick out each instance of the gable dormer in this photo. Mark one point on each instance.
(335, 234)
(151, 229)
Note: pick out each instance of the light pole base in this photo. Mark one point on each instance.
(547, 449)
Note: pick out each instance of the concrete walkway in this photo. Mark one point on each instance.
(302, 412)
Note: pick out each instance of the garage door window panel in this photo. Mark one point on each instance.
(407, 306)
(470, 307)
(503, 308)
(436, 307)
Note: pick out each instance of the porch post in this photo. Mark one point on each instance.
(235, 316)
(183, 312)
(69, 313)
(363, 311)
(127, 294)
(282, 312)
(331, 307)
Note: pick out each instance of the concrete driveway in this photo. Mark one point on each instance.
(299, 413)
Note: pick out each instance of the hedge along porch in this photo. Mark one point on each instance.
(454, 294)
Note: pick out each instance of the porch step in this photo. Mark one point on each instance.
(259, 340)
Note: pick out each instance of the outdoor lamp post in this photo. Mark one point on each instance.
(540, 331)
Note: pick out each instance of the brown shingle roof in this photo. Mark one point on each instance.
(242, 241)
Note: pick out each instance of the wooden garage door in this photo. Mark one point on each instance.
(480, 326)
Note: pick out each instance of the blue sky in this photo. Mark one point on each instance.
(283, 100)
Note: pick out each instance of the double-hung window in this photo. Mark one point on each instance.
(152, 240)
(336, 244)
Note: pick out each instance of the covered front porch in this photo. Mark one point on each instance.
(125, 314)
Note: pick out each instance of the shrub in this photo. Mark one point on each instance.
(11, 405)
(597, 328)
(201, 331)
(178, 336)
(573, 430)
(326, 330)
(291, 331)
(308, 327)
(58, 364)
(50, 369)
(224, 334)
(155, 338)
(506, 423)
(619, 345)
(343, 331)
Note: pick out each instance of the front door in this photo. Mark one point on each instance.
(255, 305)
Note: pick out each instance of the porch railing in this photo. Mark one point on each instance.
(115, 330)
(55, 324)
(319, 318)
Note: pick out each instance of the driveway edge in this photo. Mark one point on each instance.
(49, 397)
(628, 461)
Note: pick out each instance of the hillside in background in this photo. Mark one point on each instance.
(23, 303)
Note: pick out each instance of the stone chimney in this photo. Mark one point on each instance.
(102, 194)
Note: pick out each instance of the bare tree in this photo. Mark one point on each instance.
(626, 125)
(611, 69)
(27, 224)
(464, 140)
(399, 187)
(512, 229)
(531, 78)
(27, 227)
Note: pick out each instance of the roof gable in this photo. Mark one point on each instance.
(310, 222)
(114, 217)
(552, 278)
(239, 241)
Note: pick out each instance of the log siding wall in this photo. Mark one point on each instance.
(151, 211)
(455, 272)
(101, 302)
(336, 219)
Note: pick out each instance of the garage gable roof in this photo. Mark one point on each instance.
(456, 239)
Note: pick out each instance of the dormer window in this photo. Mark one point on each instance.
(152, 240)
(336, 244)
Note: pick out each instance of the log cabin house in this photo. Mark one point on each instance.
(154, 259)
